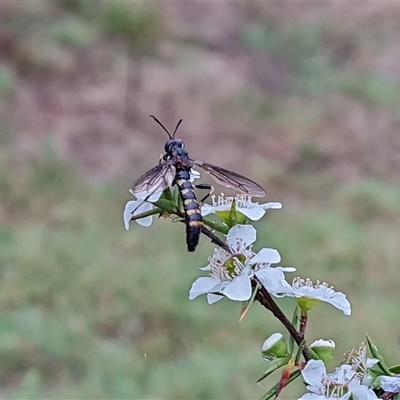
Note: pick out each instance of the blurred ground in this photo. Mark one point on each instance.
(302, 97)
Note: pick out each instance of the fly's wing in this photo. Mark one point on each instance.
(232, 179)
(154, 181)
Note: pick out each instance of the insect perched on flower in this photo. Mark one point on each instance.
(174, 169)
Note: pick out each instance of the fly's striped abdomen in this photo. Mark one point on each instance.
(192, 209)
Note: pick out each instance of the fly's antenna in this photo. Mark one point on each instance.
(176, 128)
(165, 129)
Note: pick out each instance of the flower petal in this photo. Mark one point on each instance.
(254, 213)
(135, 207)
(206, 209)
(337, 299)
(273, 205)
(362, 392)
(202, 285)
(128, 211)
(213, 298)
(266, 256)
(239, 289)
(274, 281)
(154, 196)
(312, 396)
(240, 237)
(313, 373)
(390, 383)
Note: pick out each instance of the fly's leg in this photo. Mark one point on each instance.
(205, 186)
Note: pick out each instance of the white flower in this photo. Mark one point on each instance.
(143, 204)
(304, 289)
(361, 363)
(135, 207)
(390, 383)
(253, 211)
(341, 384)
(231, 272)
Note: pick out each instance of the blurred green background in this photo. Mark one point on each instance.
(302, 97)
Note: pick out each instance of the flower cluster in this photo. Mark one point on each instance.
(239, 273)
(343, 383)
(230, 272)
(352, 379)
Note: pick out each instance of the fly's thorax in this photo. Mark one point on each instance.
(175, 150)
(182, 159)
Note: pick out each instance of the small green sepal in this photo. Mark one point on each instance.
(306, 304)
(233, 216)
(323, 349)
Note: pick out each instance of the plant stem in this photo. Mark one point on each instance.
(268, 302)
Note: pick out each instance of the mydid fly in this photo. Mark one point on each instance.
(174, 169)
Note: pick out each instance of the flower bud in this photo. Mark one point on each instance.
(274, 347)
(324, 349)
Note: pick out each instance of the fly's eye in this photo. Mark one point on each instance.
(180, 144)
(169, 145)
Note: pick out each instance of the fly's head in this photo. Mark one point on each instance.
(173, 145)
(174, 148)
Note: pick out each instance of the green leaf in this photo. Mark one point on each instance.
(272, 392)
(395, 369)
(232, 214)
(147, 214)
(375, 353)
(295, 320)
(217, 226)
(276, 364)
(167, 194)
(165, 206)
(300, 350)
